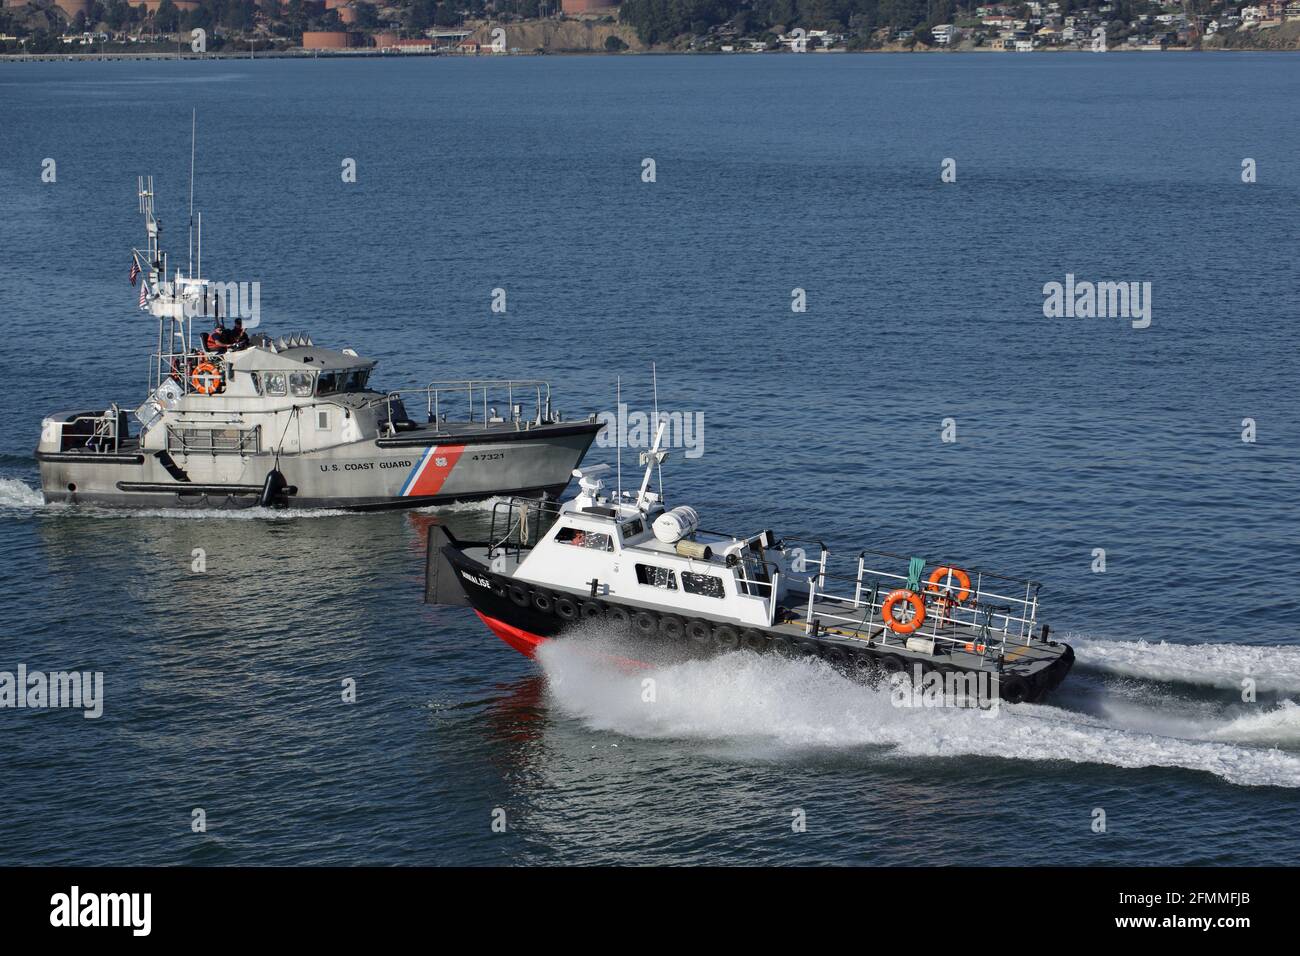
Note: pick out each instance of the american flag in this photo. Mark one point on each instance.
(144, 293)
(135, 270)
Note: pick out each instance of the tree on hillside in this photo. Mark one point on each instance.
(117, 15)
(367, 15)
(419, 15)
(166, 18)
(447, 15)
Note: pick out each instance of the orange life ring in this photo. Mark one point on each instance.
(918, 611)
(205, 378)
(963, 580)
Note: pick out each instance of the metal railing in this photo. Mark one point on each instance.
(519, 523)
(179, 366)
(214, 441)
(477, 401)
(984, 620)
(99, 432)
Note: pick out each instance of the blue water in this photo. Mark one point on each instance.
(223, 690)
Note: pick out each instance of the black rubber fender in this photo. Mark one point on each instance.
(864, 662)
(671, 627)
(566, 608)
(618, 617)
(699, 631)
(835, 655)
(725, 638)
(519, 595)
(272, 489)
(645, 624)
(752, 640)
(892, 664)
(593, 611)
(1013, 689)
(780, 645)
(544, 601)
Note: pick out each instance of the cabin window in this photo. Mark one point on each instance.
(633, 528)
(703, 584)
(274, 383)
(323, 420)
(301, 384)
(353, 380)
(579, 538)
(656, 577)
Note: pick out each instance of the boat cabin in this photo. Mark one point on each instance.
(643, 554)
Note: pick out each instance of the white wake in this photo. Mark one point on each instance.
(774, 705)
(1273, 669)
(19, 494)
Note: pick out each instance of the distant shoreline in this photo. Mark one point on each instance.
(380, 54)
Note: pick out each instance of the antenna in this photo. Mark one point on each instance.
(654, 379)
(193, 126)
(618, 431)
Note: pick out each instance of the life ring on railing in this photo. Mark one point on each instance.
(205, 378)
(961, 593)
(893, 600)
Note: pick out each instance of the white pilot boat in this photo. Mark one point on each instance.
(235, 421)
(630, 564)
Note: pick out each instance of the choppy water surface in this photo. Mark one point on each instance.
(223, 689)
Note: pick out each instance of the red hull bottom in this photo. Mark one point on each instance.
(525, 642)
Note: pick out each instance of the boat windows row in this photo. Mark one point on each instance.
(705, 585)
(306, 384)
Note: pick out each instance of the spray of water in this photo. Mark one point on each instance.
(1273, 669)
(772, 705)
(18, 494)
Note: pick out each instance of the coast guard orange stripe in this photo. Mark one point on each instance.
(430, 473)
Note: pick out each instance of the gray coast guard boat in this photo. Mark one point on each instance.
(233, 420)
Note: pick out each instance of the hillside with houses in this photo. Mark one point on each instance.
(481, 27)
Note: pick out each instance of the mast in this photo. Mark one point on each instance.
(652, 458)
(654, 379)
(618, 432)
(193, 121)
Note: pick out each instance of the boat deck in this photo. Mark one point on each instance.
(956, 641)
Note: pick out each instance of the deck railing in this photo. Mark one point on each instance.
(985, 620)
(99, 431)
(518, 524)
(523, 402)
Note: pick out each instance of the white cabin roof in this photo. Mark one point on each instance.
(314, 357)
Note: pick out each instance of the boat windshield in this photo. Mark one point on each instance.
(345, 380)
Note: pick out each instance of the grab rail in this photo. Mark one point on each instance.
(479, 398)
(863, 610)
